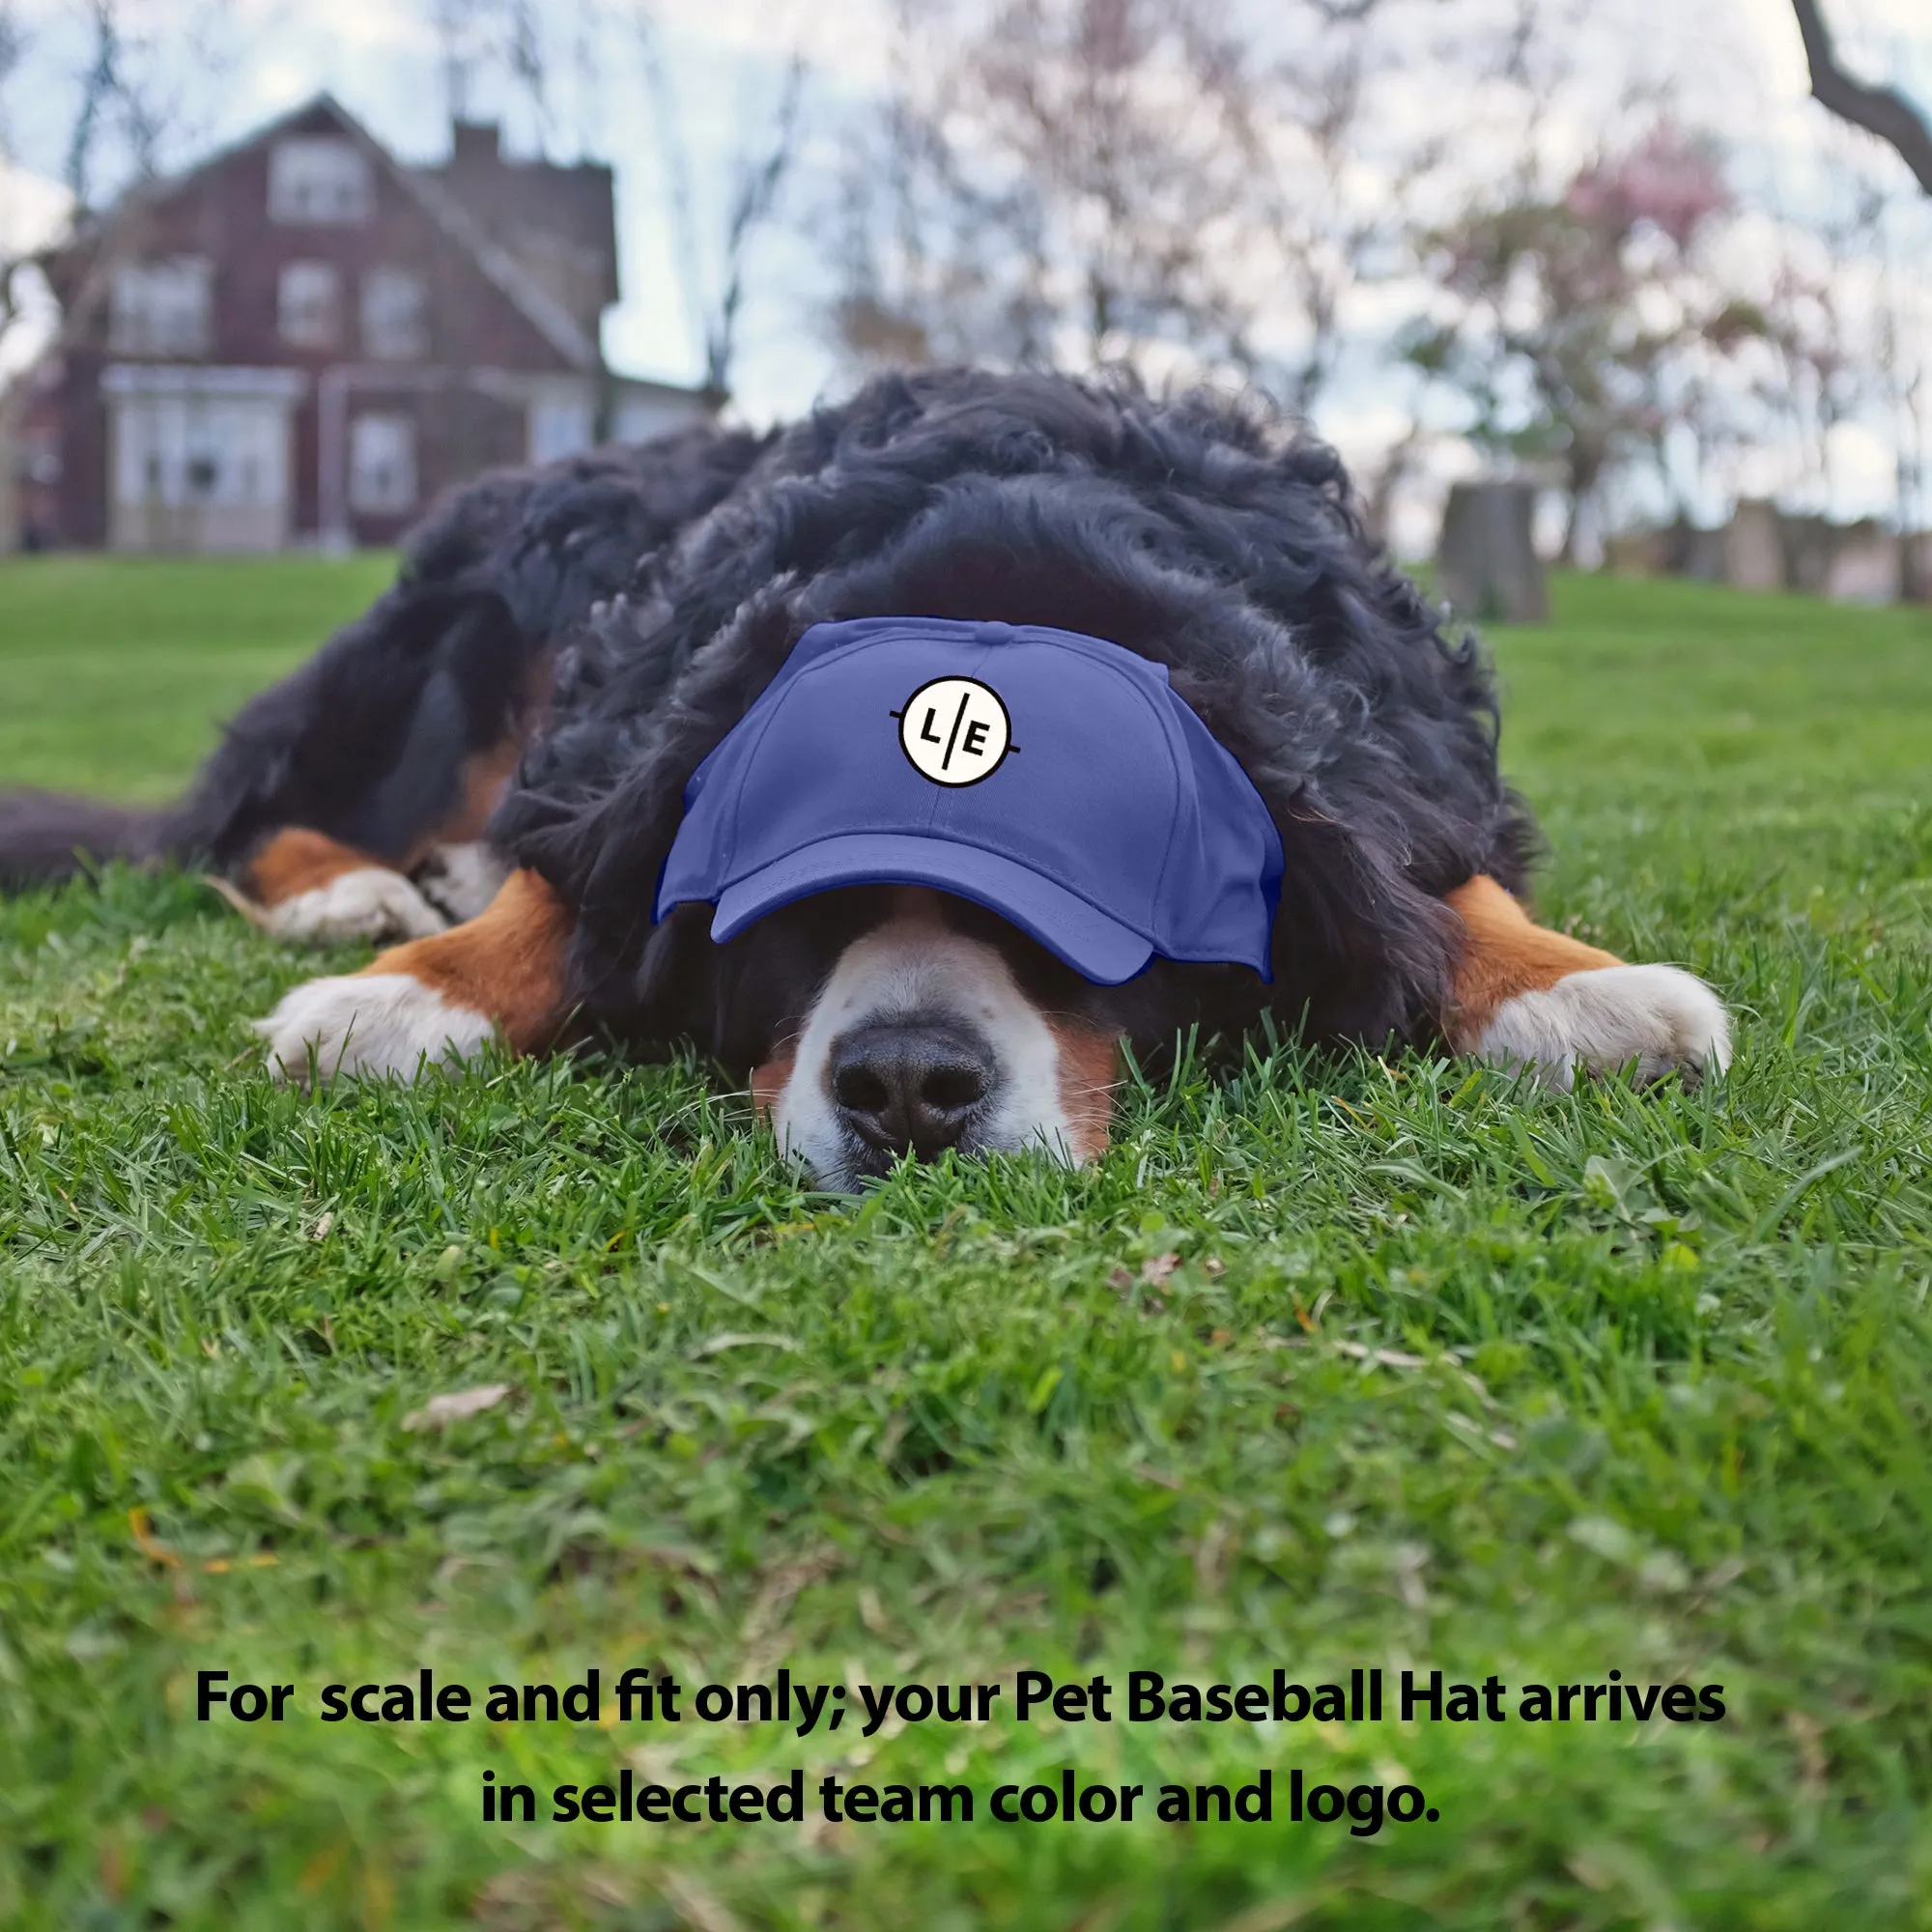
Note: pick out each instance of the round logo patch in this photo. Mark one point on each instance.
(956, 732)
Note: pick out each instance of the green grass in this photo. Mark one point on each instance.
(116, 669)
(1448, 1373)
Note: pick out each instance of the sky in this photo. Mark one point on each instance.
(1737, 64)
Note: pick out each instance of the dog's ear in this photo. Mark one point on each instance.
(674, 988)
(1362, 947)
(657, 995)
(732, 1001)
(1359, 950)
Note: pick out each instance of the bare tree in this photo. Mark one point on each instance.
(1054, 181)
(1882, 111)
(112, 102)
(127, 110)
(1184, 186)
(112, 97)
(13, 50)
(715, 295)
(1300, 117)
(480, 39)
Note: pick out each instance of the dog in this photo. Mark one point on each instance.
(526, 719)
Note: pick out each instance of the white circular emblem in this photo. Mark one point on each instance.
(956, 732)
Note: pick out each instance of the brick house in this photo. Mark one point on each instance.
(303, 341)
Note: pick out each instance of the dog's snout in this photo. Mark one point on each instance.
(910, 1085)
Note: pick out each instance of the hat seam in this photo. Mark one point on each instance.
(745, 759)
(780, 690)
(1177, 754)
(1106, 661)
(1163, 724)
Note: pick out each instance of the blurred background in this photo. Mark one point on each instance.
(1643, 285)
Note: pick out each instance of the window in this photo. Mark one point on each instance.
(319, 177)
(395, 314)
(199, 458)
(381, 465)
(194, 447)
(176, 450)
(559, 425)
(162, 309)
(308, 304)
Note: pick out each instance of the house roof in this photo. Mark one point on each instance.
(550, 317)
(558, 223)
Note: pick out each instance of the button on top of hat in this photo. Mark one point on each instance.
(992, 634)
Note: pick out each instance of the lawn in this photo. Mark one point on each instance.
(115, 672)
(1358, 1363)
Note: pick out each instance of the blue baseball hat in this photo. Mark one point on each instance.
(1056, 779)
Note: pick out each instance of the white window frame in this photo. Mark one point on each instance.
(561, 423)
(382, 480)
(163, 308)
(308, 304)
(320, 181)
(395, 314)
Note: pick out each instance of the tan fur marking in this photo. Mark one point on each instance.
(769, 1079)
(506, 963)
(1090, 1067)
(299, 861)
(484, 776)
(1506, 953)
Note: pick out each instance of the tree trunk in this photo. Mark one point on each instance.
(10, 471)
(1486, 559)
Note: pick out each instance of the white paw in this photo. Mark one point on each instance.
(1659, 1019)
(371, 902)
(368, 1023)
(461, 880)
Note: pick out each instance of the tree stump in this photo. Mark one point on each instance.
(1487, 562)
(1755, 547)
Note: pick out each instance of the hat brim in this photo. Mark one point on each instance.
(1097, 948)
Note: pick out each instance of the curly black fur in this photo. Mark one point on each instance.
(1202, 532)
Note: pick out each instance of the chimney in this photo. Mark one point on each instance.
(474, 146)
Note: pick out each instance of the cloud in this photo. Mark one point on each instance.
(33, 212)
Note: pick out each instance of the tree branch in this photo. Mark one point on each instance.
(759, 186)
(1879, 110)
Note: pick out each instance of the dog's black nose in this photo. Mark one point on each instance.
(903, 1085)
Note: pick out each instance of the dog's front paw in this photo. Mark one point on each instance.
(371, 902)
(368, 1023)
(1656, 1019)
